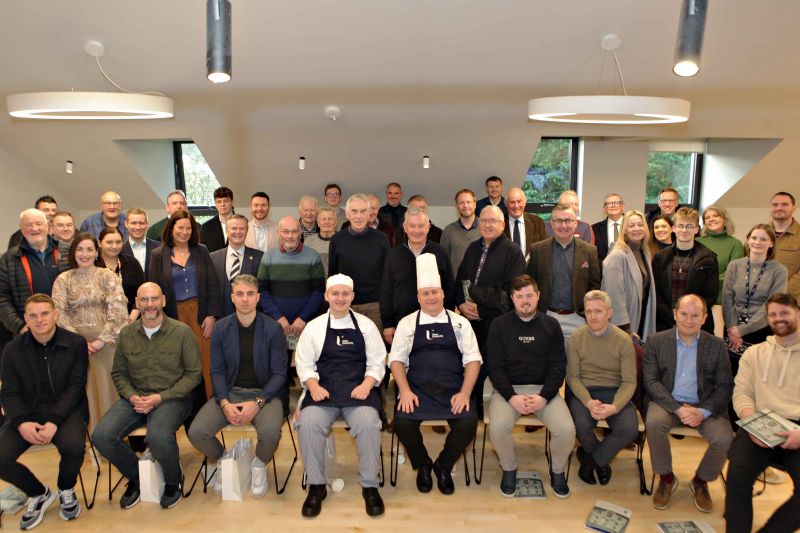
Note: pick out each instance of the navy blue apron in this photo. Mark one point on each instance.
(342, 366)
(435, 371)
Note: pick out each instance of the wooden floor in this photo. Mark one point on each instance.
(473, 508)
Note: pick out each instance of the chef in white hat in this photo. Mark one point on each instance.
(340, 360)
(435, 362)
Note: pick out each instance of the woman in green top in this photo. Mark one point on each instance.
(717, 234)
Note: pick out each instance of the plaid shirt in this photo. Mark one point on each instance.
(94, 225)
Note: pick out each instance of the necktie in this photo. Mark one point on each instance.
(616, 231)
(235, 266)
(516, 237)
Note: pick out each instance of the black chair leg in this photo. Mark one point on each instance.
(282, 488)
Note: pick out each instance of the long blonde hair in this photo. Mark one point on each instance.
(622, 240)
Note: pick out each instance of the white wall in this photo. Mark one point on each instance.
(612, 166)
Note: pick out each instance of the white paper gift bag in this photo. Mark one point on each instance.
(151, 478)
(235, 466)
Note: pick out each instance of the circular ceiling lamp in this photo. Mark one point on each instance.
(604, 109)
(88, 106)
(610, 109)
(81, 105)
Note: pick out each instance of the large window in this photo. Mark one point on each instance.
(679, 170)
(195, 177)
(553, 169)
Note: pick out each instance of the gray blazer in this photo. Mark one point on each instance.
(622, 280)
(250, 262)
(714, 379)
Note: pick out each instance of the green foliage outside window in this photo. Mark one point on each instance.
(669, 169)
(549, 172)
(199, 178)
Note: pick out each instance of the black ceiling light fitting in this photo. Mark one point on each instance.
(690, 37)
(218, 40)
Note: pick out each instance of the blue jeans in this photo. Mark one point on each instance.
(162, 424)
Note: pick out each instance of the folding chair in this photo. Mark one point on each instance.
(340, 423)
(89, 505)
(248, 428)
(526, 420)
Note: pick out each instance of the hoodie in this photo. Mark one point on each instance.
(769, 378)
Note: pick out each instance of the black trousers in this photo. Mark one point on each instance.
(462, 432)
(69, 440)
(747, 461)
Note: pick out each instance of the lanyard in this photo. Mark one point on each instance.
(747, 291)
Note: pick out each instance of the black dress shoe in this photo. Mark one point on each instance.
(424, 479)
(313, 504)
(372, 501)
(604, 474)
(443, 479)
(586, 470)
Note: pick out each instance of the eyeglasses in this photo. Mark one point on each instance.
(613, 204)
(667, 201)
(563, 221)
(148, 299)
(685, 227)
(333, 194)
(489, 221)
(290, 231)
(110, 204)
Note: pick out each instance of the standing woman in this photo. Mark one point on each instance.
(662, 234)
(182, 267)
(717, 234)
(125, 267)
(90, 302)
(749, 282)
(628, 278)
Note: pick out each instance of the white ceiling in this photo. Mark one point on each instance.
(448, 78)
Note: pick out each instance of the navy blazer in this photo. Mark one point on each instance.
(211, 235)
(249, 265)
(269, 356)
(207, 284)
(149, 244)
(600, 230)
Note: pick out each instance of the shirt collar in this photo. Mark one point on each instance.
(473, 226)
(239, 250)
(680, 342)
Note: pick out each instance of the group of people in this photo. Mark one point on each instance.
(130, 324)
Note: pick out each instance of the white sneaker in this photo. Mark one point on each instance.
(774, 477)
(258, 480)
(213, 469)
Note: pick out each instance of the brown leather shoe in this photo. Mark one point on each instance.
(702, 499)
(662, 497)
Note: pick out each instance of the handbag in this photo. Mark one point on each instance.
(151, 478)
(236, 470)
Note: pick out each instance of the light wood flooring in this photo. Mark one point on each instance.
(473, 508)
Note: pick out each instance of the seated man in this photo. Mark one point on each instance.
(156, 368)
(682, 396)
(44, 397)
(435, 362)
(527, 364)
(248, 370)
(601, 376)
(767, 379)
(340, 360)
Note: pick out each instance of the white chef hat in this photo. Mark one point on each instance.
(428, 272)
(339, 279)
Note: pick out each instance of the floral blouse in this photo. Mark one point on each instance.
(94, 297)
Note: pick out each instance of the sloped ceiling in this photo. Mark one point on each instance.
(447, 78)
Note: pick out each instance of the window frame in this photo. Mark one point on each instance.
(697, 180)
(540, 208)
(180, 180)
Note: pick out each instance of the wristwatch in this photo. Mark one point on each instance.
(260, 402)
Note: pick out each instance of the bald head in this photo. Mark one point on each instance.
(150, 302)
(148, 288)
(289, 233)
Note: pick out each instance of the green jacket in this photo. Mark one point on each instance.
(167, 364)
(726, 248)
